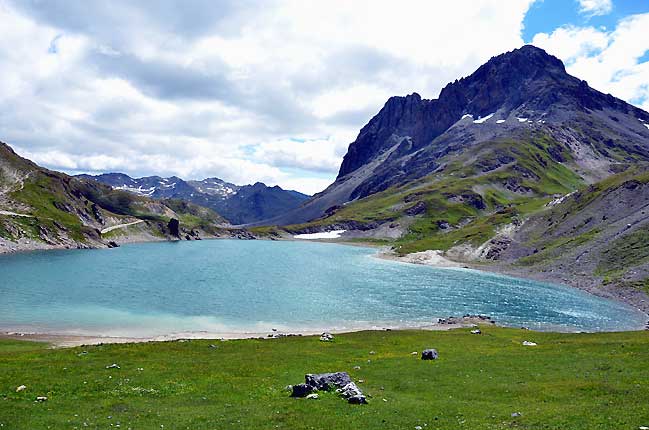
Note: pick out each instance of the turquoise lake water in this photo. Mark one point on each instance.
(238, 286)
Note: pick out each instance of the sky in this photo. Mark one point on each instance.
(269, 90)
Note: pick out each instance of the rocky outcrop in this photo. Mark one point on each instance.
(339, 381)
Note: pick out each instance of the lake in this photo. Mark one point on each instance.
(218, 286)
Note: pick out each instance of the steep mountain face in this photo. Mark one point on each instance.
(40, 208)
(238, 204)
(512, 97)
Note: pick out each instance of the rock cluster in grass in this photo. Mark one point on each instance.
(466, 319)
(339, 381)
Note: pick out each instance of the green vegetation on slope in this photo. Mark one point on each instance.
(478, 191)
(627, 251)
(568, 381)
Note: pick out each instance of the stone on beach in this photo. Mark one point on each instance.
(429, 354)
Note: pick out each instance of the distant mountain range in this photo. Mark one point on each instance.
(239, 204)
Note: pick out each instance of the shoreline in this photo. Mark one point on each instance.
(634, 298)
(62, 340)
(432, 258)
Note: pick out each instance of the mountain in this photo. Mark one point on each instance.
(517, 103)
(519, 168)
(40, 208)
(238, 204)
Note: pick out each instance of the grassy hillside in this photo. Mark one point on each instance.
(66, 211)
(471, 196)
(568, 381)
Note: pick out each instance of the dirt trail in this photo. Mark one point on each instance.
(115, 227)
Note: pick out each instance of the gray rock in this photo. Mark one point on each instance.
(326, 337)
(349, 390)
(327, 381)
(302, 390)
(429, 354)
(357, 400)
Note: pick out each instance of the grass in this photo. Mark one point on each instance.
(568, 381)
(555, 248)
(627, 251)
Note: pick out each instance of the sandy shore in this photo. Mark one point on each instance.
(68, 340)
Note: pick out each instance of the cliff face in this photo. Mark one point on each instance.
(525, 83)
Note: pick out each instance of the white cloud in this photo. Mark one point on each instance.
(609, 61)
(321, 155)
(242, 92)
(595, 7)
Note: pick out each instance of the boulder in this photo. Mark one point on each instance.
(429, 354)
(174, 227)
(301, 390)
(327, 381)
(350, 390)
(357, 400)
(326, 337)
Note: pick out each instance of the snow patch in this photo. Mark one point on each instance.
(333, 234)
(500, 121)
(521, 119)
(481, 120)
(468, 115)
(559, 200)
(646, 125)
